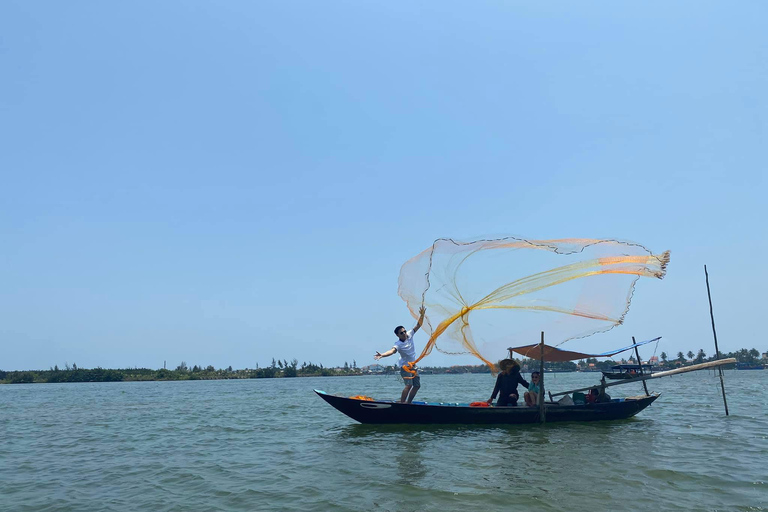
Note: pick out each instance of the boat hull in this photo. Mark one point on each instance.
(378, 412)
(619, 376)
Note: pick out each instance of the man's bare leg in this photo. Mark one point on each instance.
(414, 390)
(404, 394)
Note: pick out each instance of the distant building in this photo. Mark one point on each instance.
(654, 361)
(374, 368)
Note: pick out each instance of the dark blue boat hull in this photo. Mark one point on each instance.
(377, 412)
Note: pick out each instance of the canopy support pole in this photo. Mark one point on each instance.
(717, 352)
(542, 413)
(640, 363)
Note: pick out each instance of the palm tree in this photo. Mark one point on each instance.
(700, 356)
(690, 355)
(664, 356)
(680, 357)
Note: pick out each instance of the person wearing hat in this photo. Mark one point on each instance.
(506, 383)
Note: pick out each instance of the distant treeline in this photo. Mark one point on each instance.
(746, 356)
(182, 372)
(287, 369)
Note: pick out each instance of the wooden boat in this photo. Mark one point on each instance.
(747, 366)
(627, 371)
(388, 412)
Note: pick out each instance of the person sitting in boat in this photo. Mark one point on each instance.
(405, 347)
(598, 396)
(602, 396)
(506, 383)
(532, 395)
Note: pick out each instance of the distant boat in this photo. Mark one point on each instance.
(747, 366)
(423, 413)
(628, 371)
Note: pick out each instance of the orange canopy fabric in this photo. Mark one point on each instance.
(550, 353)
(556, 355)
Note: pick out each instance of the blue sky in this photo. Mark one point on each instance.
(227, 182)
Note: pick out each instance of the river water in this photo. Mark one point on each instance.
(271, 444)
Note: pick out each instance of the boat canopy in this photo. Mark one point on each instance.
(557, 355)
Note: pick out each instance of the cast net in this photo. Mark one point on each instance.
(486, 295)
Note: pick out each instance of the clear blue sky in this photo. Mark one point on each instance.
(227, 182)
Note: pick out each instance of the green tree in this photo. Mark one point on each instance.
(700, 356)
(664, 357)
(22, 378)
(690, 355)
(290, 369)
(164, 374)
(681, 357)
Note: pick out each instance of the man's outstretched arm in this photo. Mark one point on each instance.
(384, 354)
(422, 310)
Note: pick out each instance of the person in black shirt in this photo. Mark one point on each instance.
(506, 383)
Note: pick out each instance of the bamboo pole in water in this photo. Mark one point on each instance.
(542, 412)
(686, 369)
(717, 352)
(640, 363)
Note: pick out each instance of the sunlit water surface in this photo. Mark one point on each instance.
(272, 444)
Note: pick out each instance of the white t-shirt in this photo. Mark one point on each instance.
(406, 349)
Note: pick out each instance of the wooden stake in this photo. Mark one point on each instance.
(542, 413)
(640, 362)
(717, 352)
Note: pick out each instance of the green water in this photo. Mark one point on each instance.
(271, 444)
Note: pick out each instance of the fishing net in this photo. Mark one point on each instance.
(486, 295)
